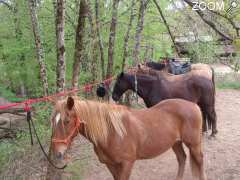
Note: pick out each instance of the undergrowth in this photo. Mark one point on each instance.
(12, 149)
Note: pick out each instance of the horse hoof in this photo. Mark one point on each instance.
(214, 132)
(212, 136)
(204, 133)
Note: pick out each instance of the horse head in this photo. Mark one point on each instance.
(121, 85)
(65, 124)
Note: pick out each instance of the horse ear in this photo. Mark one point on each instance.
(140, 66)
(70, 103)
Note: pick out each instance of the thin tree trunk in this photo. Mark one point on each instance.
(59, 6)
(127, 35)
(152, 51)
(53, 173)
(111, 42)
(79, 44)
(167, 26)
(99, 38)
(94, 56)
(125, 50)
(139, 29)
(38, 44)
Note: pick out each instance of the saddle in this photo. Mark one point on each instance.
(179, 68)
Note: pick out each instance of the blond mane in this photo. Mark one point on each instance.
(100, 118)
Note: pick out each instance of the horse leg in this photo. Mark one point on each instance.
(114, 171)
(211, 114)
(181, 158)
(214, 121)
(196, 161)
(125, 170)
(204, 116)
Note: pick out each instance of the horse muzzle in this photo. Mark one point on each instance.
(60, 156)
(59, 151)
(115, 97)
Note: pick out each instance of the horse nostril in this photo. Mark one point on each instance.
(114, 97)
(59, 156)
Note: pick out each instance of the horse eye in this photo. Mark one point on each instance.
(66, 122)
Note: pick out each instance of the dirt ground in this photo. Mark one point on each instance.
(221, 154)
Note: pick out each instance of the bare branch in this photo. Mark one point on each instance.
(167, 26)
(11, 8)
(208, 22)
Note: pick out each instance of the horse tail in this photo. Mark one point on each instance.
(214, 94)
(213, 81)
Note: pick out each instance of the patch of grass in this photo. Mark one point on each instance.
(75, 170)
(228, 81)
(228, 85)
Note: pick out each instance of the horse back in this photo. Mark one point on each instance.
(165, 123)
(184, 112)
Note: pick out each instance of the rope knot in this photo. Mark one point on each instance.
(27, 108)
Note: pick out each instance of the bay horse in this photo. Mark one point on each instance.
(153, 89)
(155, 69)
(121, 135)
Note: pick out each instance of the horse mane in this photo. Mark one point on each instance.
(100, 119)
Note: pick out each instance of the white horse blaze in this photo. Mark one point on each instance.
(57, 118)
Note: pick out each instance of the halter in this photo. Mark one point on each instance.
(136, 86)
(69, 137)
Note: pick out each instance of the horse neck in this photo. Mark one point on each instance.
(100, 120)
(144, 86)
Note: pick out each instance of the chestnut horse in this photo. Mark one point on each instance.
(121, 135)
(153, 89)
(196, 69)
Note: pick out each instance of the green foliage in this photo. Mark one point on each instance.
(202, 51)
(9, 95)
(228, 81)
(18, 64)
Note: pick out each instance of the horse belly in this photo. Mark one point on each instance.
(158, 142)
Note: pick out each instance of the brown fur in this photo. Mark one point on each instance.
(139, 134)
(201, 70)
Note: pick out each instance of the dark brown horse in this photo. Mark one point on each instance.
(121, 135)
(203, 70)
(154, 89)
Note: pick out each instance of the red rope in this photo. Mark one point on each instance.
(27, 103)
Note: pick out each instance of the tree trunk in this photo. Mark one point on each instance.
(79, 44)
(167, 26)
(139, 29)
(59, 6)
(38, 44)
(94, 61)
(126, 38)
(99, 38)
(112, 34)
